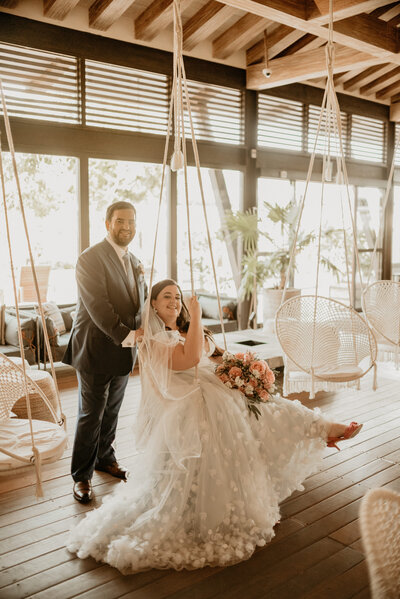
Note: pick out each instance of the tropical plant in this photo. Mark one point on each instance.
(257, 267)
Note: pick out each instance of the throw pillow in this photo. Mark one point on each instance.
(209, 307)
(28, 329)
(51, 310)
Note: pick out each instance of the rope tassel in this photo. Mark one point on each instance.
(37, 460)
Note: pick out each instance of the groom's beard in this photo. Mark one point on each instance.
(122, 238)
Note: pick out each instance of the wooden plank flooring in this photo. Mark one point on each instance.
(317, 552)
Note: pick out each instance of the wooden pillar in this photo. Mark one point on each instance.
(83, 203)
(388, 215)
(251, 173)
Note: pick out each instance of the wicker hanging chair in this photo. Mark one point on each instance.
(39, 436)
(381, 305)
(50, 437)
(326, 344)
(325, 340)
(380, 534)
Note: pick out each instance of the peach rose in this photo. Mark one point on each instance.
(269, 377)
(253, 382)
(264, 395)
(234, 372)
(259, 365)
(248, 358)
(224, 378)
(239, 356)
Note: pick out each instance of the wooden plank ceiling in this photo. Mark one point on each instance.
(291, 32)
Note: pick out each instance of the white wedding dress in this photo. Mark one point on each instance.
(208, 477)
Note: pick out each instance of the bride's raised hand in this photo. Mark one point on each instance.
(194, 308)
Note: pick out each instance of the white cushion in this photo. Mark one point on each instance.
(50, 439)
(342, 372)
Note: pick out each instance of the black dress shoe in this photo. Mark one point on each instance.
(83, 491)
(114, 469)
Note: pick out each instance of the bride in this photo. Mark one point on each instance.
(207, 477)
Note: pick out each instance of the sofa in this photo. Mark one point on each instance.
(58, 331)
(210, 313)
(59, 321)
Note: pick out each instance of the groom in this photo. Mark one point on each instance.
(102, 347)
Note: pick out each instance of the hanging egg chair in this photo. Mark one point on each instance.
(326, 343)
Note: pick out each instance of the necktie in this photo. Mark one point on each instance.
(131, 278)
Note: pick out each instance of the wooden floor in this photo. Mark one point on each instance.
(316, 554)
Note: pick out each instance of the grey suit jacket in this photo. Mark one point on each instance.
(106, 312)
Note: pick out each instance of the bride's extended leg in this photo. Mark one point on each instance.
(339, 432)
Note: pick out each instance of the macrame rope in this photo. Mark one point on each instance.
(16, 176)
(330, 109)
(179, 86)
(35, 453)
(385, 201)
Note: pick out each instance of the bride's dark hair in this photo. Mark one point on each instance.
(183, 319)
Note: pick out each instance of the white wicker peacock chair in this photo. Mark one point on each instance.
(25, 442)
(380, 533)
(381, 305)
(325, 340)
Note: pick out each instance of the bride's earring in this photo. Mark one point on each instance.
(155, 310)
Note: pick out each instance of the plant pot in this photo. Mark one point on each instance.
(272, 299)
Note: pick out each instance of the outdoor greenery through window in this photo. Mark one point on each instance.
(139, 183)
(49, 192)
(222, 190)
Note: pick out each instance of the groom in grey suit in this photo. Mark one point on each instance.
(102, 347)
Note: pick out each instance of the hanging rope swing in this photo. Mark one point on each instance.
(326, 340)
(47, 439)
(180, 103)
(381, 299)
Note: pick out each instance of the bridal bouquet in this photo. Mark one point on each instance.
(252, 376)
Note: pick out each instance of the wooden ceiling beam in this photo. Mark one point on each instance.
(278, 39)
(153, 19)
(203, 24)
(395, 108)
(58, 9)
(366, 34)
(9, 3)
(381, 82)
(366, 76)
(390, 15)
(388, 91)
(382, 10)
(344, 9)
(238, 36)
(103, 13)
(370, 30)
(304, 44)
(300, 67)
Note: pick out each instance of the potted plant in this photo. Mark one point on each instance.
(257, 267)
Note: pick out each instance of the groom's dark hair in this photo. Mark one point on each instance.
(121, 205)
(183, 319)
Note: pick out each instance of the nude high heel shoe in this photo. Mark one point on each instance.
(351, 431)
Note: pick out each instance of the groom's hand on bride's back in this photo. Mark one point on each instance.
(138, 334)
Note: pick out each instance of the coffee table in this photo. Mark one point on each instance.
(265, 345)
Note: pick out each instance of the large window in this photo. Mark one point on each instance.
(334, 277)
(138, 183)
(396, 235)
(222, 190)
(49, 191)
